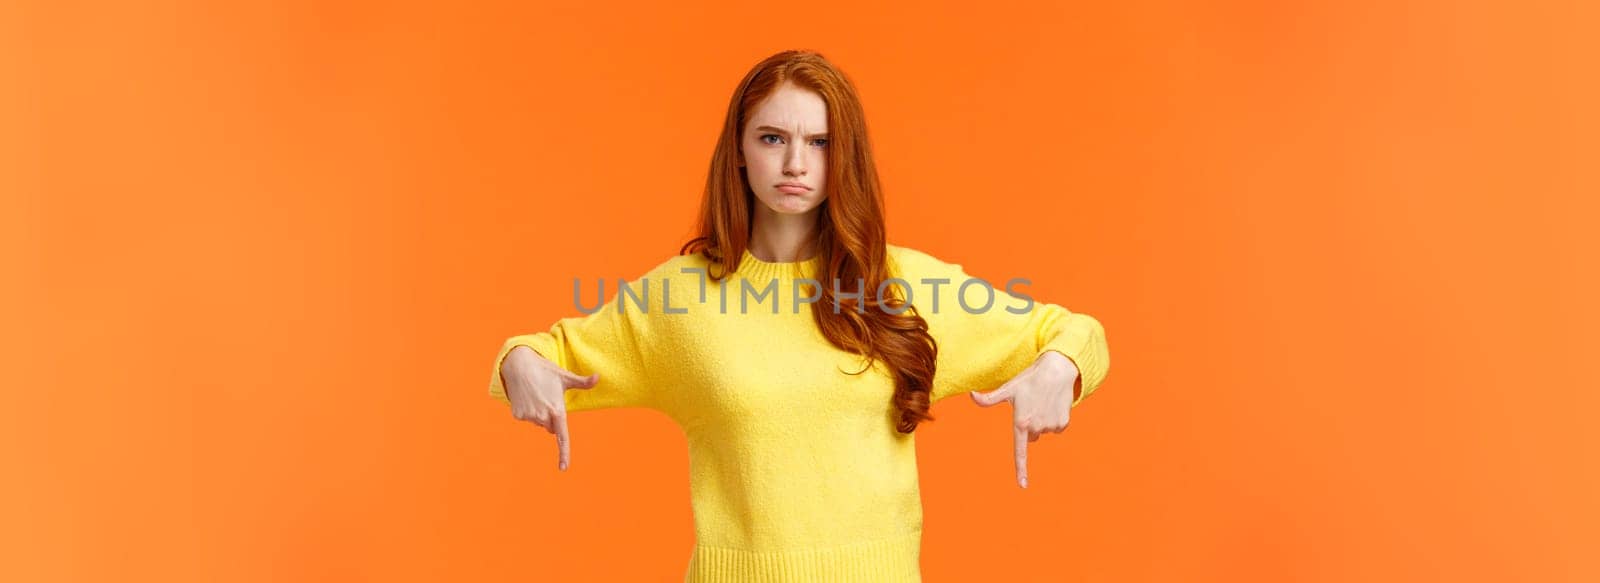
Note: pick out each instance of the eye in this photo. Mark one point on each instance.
(765, 136)
(820, 142)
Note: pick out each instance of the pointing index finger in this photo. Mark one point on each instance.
(563, 442)
(1020, 436)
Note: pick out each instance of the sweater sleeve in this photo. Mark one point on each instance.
(610, 341)
(980, 348)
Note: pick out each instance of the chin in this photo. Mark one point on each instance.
(792, 209)
(788, 204)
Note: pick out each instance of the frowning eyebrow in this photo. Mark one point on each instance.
(786, 134)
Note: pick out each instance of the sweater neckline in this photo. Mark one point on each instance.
(756, 270)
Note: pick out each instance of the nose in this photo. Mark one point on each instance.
(794, 161)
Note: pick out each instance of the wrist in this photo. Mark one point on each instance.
(1059, 366)
(518, 357)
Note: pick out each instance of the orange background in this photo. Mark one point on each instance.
(259, 259)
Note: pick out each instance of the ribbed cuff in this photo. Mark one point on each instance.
(542, 343)
(1084, 343)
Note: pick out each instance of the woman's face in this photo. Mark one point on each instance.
(785, 142)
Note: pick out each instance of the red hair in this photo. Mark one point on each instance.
(851, 241)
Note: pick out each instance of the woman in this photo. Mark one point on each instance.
(798, 350)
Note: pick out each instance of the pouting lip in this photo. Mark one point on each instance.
(796, 184)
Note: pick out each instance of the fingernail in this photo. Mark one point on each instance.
(1024, 482)
(563, 466)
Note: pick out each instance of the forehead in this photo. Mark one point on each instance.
(791, 106)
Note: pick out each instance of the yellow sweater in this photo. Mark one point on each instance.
(796, 471)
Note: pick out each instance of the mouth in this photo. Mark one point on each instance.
(793, 188)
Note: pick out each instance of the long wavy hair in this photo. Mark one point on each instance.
(850, 239)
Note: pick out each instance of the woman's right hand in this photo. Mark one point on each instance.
(537, 390)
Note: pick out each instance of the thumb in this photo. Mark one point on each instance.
(573, 381)
(994, 397)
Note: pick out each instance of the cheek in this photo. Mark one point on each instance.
(763, 165)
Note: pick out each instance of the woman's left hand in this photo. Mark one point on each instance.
(1041, 402)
